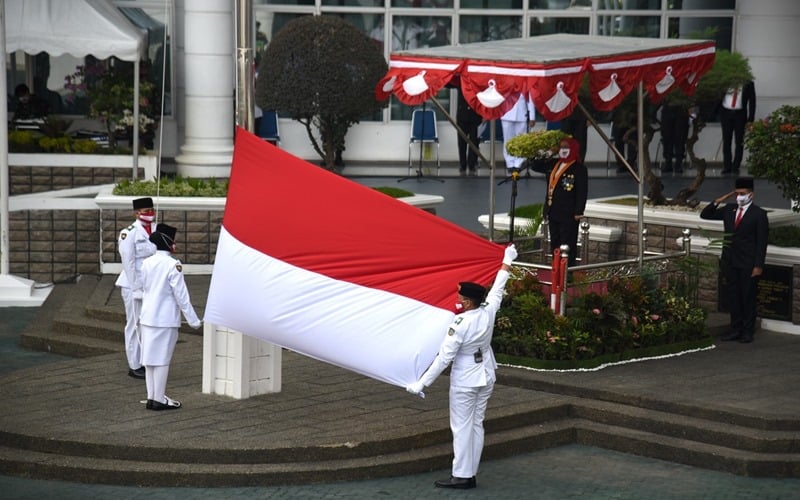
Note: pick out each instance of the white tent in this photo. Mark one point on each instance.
(76, 27)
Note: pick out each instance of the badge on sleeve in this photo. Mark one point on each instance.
(123, 236)
(451, 332)
(179, 267)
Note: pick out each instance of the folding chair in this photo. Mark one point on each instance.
(423, 130)
(268, 128)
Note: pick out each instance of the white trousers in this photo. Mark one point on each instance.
(467, 409)
(511, 130)
(133, 345)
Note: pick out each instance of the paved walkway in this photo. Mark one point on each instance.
(92, 397)
(73, 399)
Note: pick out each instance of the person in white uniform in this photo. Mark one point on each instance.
(517, 120)
(165, 297)
(134, 246)
(468, 345)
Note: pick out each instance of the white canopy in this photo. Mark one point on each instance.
(75, 27)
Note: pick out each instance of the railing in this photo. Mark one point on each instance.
(564, 277)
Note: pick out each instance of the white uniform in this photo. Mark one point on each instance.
(515, 122)
(134, 246)
(472, 376)
(165, 297)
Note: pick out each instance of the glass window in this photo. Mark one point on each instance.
(701, 4)
(637, 26)
(561, 4)
(268, 24)
(493, 4)
(354, 3)
(423, 4)
(485, 28)
(413, 32)
(719, 29)
(552, 25)
(285, 2)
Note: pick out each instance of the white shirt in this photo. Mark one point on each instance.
(165, 293)
(470, 331)
(522, 111)
(134, 246)
(728, 100)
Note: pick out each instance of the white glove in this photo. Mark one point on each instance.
(416, 388)
(196, 325)
(137, 294)
(510, 254)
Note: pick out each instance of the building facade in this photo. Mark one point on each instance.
(196, 40)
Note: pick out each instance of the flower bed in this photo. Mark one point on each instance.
(634, 317)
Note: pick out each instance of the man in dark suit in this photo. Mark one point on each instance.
(468, 120)
(737, 110)
(567, 190)
(742, 262)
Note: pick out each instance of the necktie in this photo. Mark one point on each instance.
(734, 98)
(738, 218)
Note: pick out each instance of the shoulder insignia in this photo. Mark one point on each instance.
(179, 267)
(451, 332)
(458, 320)
(123, 235)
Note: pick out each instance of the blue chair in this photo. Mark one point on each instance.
(423, 130)
(268, 128)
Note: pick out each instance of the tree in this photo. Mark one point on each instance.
(322, 72)
(730, 69)
(773, 146)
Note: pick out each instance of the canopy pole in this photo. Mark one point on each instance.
(608, 141)
(640, 161)
(245, 62)
(492, 137)
(473, 147)
(135, 141)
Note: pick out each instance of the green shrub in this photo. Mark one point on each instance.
(394, 192)
(786, 236)
(179, 186)
(634, 313)
(536, 145)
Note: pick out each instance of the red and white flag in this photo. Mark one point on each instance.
(321, 265)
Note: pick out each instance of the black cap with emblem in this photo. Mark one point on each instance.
(164, 237)
(472, 291)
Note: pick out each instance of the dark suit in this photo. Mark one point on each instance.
(746, 249)
(468, 121)
(733, 122)
(569, 200)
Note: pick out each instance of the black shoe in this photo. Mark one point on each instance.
(457, 483)
(462, 172)
(137, 373)
(745, 339)
(171, 404)
(730, 336)
(473, 172)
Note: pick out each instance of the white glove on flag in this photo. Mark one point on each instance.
(510, 254)
(416, 388)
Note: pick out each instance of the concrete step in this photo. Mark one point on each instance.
(727, 434)
(687, 451)
(148, 468)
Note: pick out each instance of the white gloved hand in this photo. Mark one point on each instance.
(416, 388)
(196, 325)
(137, 294)
(510, 254)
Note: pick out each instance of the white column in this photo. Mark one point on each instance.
(208, 67)
(768, 37)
